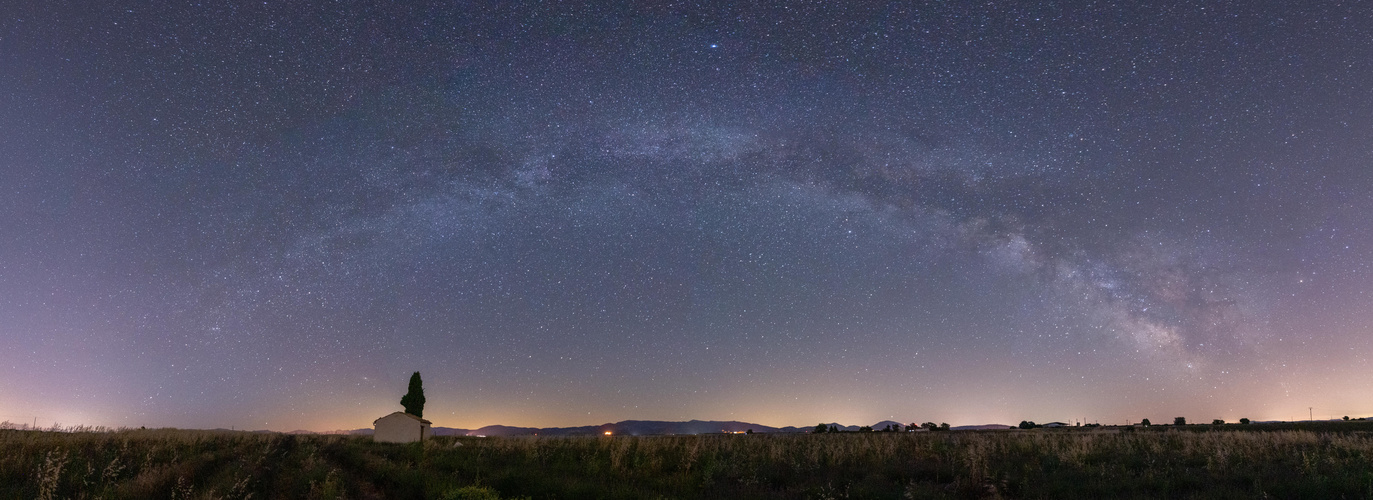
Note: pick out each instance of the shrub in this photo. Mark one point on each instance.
(472, 493)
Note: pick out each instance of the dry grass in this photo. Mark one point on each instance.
(1194, 462)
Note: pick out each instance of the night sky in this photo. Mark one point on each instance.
(266, 215)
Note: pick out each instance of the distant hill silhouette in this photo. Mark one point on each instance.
(983, 427)
(627, 428)
(651, 428)
(835, 425)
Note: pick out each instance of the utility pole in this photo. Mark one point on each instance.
(1310, 412)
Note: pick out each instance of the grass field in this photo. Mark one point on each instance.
(1327, 460)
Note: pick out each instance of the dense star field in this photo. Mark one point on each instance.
(266, 215)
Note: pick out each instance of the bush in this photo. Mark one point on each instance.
(472, 493)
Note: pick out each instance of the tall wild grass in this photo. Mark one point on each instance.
(1193, 462)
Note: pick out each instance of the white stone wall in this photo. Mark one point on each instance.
(400, 428)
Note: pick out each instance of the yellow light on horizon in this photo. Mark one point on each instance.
(607, 433)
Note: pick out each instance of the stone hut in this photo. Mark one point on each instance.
(401, 427)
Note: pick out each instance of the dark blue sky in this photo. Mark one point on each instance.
(267, 215)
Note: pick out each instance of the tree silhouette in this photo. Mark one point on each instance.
(413, 401)
(1179, 421)
(1145, 423)
(1244, 421)
(821, 429)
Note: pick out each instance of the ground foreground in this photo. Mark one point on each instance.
(1231, 461)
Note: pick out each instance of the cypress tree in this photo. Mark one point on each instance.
(413, 401)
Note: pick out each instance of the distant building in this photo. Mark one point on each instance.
(401, 427)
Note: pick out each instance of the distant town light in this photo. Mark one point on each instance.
(607, 433)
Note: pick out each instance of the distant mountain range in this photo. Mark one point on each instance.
(650, 428)
(658, 428)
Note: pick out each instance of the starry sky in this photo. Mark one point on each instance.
(266, 215)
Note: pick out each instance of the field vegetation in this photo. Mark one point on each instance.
(1332, 460)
